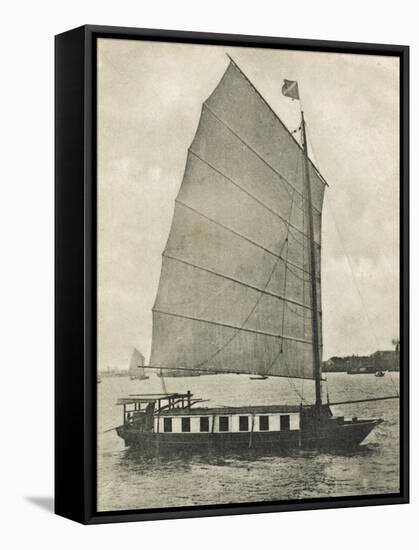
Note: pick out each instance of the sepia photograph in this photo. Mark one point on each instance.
(248, 275)
(210, 259)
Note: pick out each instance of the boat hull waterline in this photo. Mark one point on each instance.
(173, 423)
(347, 436)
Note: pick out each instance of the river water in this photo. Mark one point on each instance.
(128, 481)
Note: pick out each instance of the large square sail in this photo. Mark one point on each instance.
(234, 292)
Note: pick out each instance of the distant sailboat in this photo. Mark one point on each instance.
(136, 366)
(240, 286)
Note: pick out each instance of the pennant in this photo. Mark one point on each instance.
(290, 89)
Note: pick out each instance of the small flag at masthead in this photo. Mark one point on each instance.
(290, 89)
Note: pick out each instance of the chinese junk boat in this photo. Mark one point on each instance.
(136, 366)
(239, 290)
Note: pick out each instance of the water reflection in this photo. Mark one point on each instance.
(185, 457)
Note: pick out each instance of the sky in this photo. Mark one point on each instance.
(149, 102)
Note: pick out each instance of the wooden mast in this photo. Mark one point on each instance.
(313, 278)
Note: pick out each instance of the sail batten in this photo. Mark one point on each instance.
(189, 371)
(238, 281)
(234, 291)
(299, 267)
(242, 189)
(283, 178)
(237, 328)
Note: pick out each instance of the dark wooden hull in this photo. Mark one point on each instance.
(331, 437)
(348, 435)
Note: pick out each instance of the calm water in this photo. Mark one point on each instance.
(128, 481)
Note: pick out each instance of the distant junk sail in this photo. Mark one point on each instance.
(234, 292)
(136, 370)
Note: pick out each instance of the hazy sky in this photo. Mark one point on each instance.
(149, 103)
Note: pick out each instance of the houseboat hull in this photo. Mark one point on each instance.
(338, 437)
(172, 424)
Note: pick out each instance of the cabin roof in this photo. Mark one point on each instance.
(203, 411)
(151, 397)
(208, 411)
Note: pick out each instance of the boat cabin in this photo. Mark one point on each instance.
(175, 413)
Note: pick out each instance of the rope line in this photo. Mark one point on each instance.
(281, 349)
(364, 309)
(251, 195)
(237, 234)
(229, 340)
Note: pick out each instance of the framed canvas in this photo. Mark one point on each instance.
(231, 274)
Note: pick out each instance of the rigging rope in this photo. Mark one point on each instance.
(247, 317)
(303, 316)
(281, 349)
(303, 260)
(163, 382)
(229, 340)
(371, 326)
(201, 364)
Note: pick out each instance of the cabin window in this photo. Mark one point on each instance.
(284, 422)
(204, 424)
(244, 423)
(167, 424)
(186, 424)
(263, 423)
(223, 423)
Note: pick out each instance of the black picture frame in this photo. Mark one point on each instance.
(75, 272)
